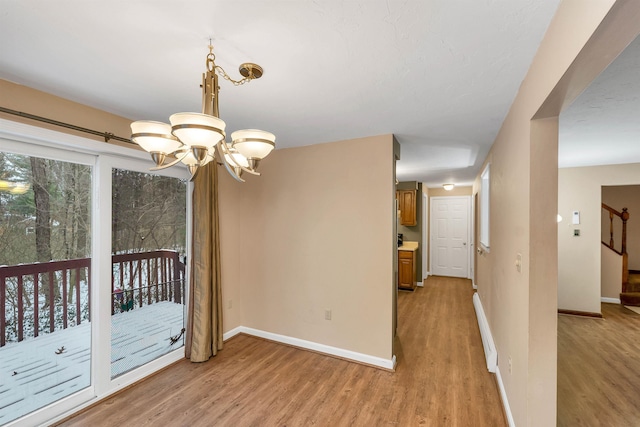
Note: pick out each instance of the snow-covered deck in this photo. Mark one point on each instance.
(39, 371)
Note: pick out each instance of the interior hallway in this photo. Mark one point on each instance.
(441, 379)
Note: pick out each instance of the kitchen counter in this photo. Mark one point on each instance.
(408, 246)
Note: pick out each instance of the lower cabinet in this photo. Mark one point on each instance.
(406, 270)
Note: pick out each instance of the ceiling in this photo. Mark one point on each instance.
(601, 126)
(438, 74)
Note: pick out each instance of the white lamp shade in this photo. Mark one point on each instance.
(253, 143)
(190, 159)
(234, 158)
(154, 137)
(196, 129)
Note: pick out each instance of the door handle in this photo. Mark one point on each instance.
(465, 243)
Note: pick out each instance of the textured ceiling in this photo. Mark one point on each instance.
(439, 74)
(602, 125)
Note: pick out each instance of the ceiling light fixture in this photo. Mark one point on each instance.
(195, 138)
(448, 187)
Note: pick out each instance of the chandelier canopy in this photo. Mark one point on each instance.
(196, 139)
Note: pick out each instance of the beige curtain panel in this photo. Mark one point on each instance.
(204, 320)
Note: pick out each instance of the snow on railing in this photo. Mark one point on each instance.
(144, 278)
(44, 297)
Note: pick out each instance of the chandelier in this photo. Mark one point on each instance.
(196, 139)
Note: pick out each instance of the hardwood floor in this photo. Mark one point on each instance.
(598, 369)
(441, 379)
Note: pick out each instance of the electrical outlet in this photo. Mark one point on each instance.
(327, 314)
(510, 365)
(230, 304)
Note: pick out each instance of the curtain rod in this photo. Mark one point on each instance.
(106, 135)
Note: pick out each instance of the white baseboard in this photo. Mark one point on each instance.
(320, 348)
(420, 283)
(490, 352)
(611, 300)
(505, 401)
(473, 285)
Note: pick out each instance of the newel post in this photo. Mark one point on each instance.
(625, 257)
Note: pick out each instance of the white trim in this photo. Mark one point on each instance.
(472, 240)
(610, 300)
(310, 345)
(473, 284)
(425, 220)
(421, 284)
(232, 333)
(485, 208)
(490, 352)
(505, 400)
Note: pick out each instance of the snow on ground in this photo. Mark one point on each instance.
(39, 371)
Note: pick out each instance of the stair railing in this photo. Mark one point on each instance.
(624, 216)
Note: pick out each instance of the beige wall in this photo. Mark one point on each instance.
(31, 101)
(521, 306)
(579, 266)
(314, 232)
(611, 273)
(457, 191)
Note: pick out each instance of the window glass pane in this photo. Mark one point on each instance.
(148, 248)
(45, 271)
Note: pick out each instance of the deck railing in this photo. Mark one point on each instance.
(44, 297)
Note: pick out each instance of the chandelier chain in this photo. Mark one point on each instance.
(224, 75)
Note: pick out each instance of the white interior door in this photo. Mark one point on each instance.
(450, 236)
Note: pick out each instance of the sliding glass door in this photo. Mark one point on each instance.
(45, 281)
(148, 228)
(92, 271)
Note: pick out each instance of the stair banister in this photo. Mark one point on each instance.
(624, 217)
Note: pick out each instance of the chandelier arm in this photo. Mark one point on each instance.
(175, 162)
(226, 164)
(225, 150)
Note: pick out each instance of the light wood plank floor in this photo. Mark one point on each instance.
(599, 369)
(441, 379)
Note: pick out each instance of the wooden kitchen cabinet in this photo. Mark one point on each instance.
(407, 206)
(406, 270)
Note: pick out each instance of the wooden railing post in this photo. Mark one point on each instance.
(3, 298)
(611, 229)
(177, 280)
(624, 217)
(625, 257)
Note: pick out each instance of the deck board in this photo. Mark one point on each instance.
(33, 375)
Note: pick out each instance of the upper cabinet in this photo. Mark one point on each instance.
(407, 205)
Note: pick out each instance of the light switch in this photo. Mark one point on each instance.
(576, 217)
